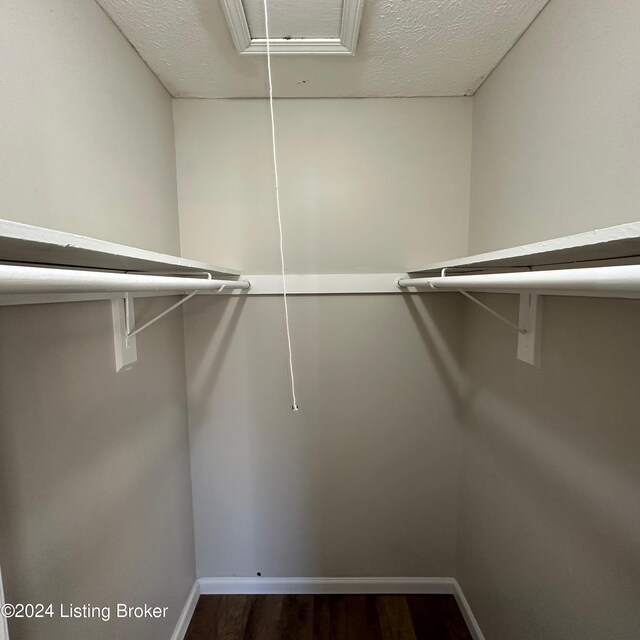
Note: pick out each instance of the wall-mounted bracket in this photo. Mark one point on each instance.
(124, 321)
(529, 325)
(495, 314)
(530, 321)
(132, 333)
(125, 345)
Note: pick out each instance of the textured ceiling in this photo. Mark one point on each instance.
(406, 48)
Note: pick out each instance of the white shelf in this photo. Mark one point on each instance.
(612, 243)
(27, 244)
(39, 266)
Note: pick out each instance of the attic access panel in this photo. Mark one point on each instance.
(296, 26)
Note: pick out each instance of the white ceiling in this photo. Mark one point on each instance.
(406, 48)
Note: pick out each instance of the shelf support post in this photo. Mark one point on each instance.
(530, 322)
(123, 315)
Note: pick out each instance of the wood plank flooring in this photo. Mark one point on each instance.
(328, 617)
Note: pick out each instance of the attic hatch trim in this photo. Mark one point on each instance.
(245, 44)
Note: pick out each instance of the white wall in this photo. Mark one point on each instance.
(95, 488)
(366, 185)
(86, 128)
(550, 529)
(549, 515)
(363, 480)
(556, 128)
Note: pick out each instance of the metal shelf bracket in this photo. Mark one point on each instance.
(530, 320)
(124, 333)
(529, 325)
(125, 346)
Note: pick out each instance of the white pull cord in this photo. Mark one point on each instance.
(294, 404)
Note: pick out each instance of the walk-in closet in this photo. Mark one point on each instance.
(319, 320)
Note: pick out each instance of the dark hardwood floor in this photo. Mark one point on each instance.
(328, 617)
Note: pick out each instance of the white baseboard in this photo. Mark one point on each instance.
(187, 611)
(210, 586)
(467, 614)
(216, 586)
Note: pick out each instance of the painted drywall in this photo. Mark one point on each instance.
(363, 479)
(435, 48)
(366, 185)
(87, 135)
(550, 521)
(95, 491)
(550, 529)
(556, 128)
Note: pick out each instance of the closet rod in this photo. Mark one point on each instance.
(614, 282)
(18, 279)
